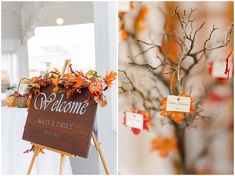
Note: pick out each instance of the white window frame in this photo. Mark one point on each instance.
(106, 27)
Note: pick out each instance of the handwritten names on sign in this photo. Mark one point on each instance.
(134, 120)
(60, 123)
(178, 103)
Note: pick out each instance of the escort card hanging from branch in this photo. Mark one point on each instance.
(137, 120)
(170, 65)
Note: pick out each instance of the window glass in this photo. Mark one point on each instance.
(50, 46)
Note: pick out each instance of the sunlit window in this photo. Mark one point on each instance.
(50, 46)
(8, 69)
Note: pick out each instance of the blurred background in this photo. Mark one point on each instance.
(209, 144)
(38, 36)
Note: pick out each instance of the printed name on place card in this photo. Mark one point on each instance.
(178, 103)
(134, 120)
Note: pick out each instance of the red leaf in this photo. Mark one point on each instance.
(227, 69)
(135, 131)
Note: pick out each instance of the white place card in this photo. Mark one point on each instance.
(178, 103)
(218, 69)
(134, 120)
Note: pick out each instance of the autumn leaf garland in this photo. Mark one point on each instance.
(72, 82)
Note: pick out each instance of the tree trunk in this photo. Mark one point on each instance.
(180, 135)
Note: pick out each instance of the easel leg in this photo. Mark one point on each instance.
(37, 150)
(97, 145)
(62, 158)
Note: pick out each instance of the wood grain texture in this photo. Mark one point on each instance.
(73, 136)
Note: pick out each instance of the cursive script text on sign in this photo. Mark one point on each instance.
(178, 103)
(42, 102)
(134, 120)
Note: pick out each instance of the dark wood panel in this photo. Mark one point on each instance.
(60, 123)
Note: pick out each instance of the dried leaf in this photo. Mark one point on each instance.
(55, 81)
(92, 74)
(28, 103)
(55, 89)
(139, 21)
(78, 81)
(164, 145)
(109, 78)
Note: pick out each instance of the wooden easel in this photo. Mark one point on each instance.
(39, 147)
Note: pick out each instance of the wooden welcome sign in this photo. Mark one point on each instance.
(60, 123)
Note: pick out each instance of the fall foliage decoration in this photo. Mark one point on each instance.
(171, 48)
(70, 84)
(178, 55)
(95, 88)
(146, 123)
(124, 34)
(109, 78)
(164, 145)
(227, 69)
(101, 100)
(122, 30)
(174, 115)
(140, 19)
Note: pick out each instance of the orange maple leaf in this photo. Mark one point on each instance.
(109, 78)
(68, 75)
(124, 34)
(164, 145)
(171, 48)
(175, 115)
(78, 81)
(55, 81)
(55, 89)
(68, 94)
(139, 21)
(36, 91)
(28, 103)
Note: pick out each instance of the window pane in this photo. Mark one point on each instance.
(5, 71)
(52, 45)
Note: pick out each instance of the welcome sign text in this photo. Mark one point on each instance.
(42, 102)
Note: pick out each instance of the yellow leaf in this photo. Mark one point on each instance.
(55, 89)
(79, 81)
(55, 81)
